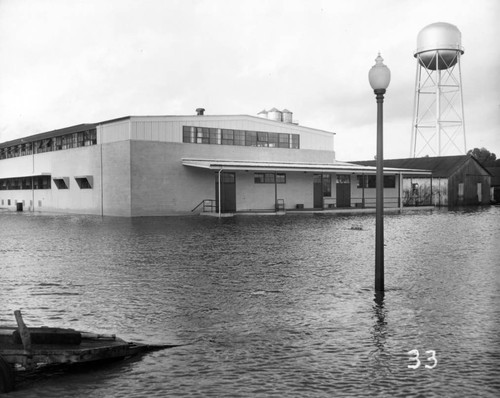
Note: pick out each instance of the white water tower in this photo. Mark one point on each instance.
(438, 119)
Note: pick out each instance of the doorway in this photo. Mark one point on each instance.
(322, 187)
(227, 192)
(343, 190)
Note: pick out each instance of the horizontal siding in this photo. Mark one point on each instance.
(161, 131)
(170, 130)
(113, 132)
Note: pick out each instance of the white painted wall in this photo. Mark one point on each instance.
(169, 129)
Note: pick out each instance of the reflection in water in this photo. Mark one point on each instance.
(381, 359)
(266, 306)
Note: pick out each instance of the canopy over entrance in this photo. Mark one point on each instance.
(334, 167)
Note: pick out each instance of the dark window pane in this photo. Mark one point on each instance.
(251, 138)
(262, 139)
(239, 137)
(227, 137)
(389, 181)
(284, 140)
(281, 178)
(258, 178)
(273, 140)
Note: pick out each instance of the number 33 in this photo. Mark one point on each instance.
(417, 360)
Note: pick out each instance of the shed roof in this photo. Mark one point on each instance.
(441, 166)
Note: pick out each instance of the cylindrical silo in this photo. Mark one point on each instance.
(262, 113)
(274, 114)
(287, 116)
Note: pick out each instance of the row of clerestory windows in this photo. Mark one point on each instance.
(216, 136)
(67, 141)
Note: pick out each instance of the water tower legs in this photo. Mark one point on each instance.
(438, 127)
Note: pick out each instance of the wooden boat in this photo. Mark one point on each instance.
(24, 349)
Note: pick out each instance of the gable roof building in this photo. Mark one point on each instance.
(456, 180)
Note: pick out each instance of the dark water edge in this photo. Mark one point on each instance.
(267, 306)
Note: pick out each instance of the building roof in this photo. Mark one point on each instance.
(495, 175)
(89, 126)
(441, 166)
(49, 134)
(339, 167)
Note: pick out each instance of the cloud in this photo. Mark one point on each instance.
(66, 63)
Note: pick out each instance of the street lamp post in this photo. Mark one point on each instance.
(379, 78)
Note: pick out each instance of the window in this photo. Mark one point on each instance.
(202, 135)
(280, 178)
(92, 137)
(251, 138)
(269, 178)
(325, 181)
(239, 137)
(26, 183)
(228, 178)
(227, 137)
(390, 181)
(61, 182)
(273, 140)
(188, 134)
(41, 182)
(370, 181)
(262, 139)
(284, 140)
(343, 179)
(327, 185)
(215, 136)
(84, 182)
(80, 139)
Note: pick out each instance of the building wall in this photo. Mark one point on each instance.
(68, 163)
(251, 196)
(116, 179)
(160, 184)
(169, 129)
(391, 195)
(470, 174)
(420, 192)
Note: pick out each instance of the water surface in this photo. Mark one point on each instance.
(265, 305)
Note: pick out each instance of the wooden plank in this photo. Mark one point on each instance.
(25, 337)
(23, 331)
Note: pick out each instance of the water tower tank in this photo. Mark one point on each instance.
(438, 45)
(438, 127)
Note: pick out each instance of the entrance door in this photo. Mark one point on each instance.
(317, 191)
(322, 188)
(343, 190)
(228, 192)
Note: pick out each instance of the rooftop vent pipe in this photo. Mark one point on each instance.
(200, 111)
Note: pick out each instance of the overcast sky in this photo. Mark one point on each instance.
(66, 62)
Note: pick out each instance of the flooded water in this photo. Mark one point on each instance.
(265, 306)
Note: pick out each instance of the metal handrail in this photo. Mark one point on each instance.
(207, 204)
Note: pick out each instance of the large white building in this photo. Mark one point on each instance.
(167, 165)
